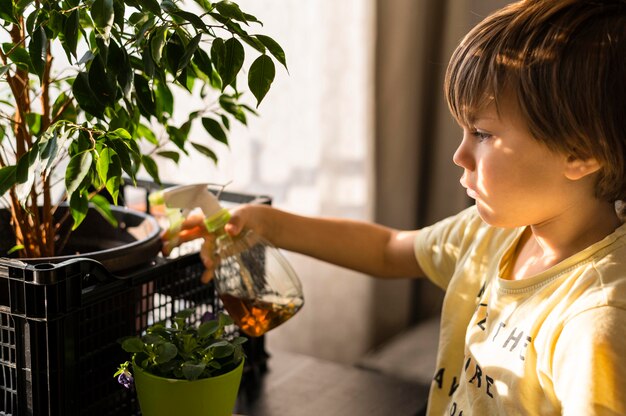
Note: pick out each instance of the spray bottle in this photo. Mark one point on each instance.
(256, 284)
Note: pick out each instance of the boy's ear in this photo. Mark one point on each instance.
(576, 168)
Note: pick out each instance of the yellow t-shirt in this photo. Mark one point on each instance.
(553, 344)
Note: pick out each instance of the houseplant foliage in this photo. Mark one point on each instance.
(183, 351)
(184, 369)
(91, 123)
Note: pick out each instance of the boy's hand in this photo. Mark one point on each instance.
(193, 228)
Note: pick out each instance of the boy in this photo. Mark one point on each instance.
(534, 317)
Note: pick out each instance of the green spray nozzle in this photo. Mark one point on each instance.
(180, 200)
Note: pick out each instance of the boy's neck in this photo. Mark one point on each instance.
(542, 246)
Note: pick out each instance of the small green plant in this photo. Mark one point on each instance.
(183, 351)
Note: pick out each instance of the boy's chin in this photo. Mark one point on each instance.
(492, 217)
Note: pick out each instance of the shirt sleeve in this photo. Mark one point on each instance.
(439, 246)
(589, 367)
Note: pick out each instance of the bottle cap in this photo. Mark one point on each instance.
(156, 198)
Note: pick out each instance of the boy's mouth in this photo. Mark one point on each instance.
(471, 192)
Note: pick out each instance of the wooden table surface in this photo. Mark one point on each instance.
(300, 385)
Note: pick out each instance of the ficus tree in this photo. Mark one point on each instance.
(87, 96)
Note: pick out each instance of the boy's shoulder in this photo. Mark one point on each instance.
(603, 273)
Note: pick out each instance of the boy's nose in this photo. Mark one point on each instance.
(463, 154)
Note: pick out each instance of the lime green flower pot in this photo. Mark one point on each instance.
(213, 396)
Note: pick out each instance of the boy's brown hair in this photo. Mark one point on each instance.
(565, 62)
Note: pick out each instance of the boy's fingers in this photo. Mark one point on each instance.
(207, 276)
(193, 221)
(191, 234)
(206, 256)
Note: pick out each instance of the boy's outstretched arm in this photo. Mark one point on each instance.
(361, 246)
(357, 245)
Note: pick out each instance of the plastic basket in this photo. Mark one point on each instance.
(60, 325)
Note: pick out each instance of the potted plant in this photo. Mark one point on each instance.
(183, 369)
(71, 131)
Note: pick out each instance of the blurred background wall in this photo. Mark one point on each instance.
(357, 128)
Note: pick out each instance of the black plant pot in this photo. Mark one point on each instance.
(133, 243)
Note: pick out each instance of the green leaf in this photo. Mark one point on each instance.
(169, 155)
(203, 62)
(25, 173)
(38, 49)
(230, 11)
(101, 83)
(7, 178)
(153, 338)
(122, 151)
(103, 163)
(225, 320)
(164, 100)
(34, 123)
(15, 248)
(206, 329)
(6, 11)
(145, 132)
(260, 77)
(157, 43)
(223, 351)
(114, 178)
(234, 56)
(132, 345)
(165, 352)
(205, 151)
(118, 64)
(230, 106)
(56, 23)
(251, 18)
(178, 137)
(184, 314)
(192, 371)
(102, 205)
(77, 170)
(274, 48)
(65, 103)
(254, 42)
(4, 69)
(151, 5)
(190, 49)
(69, 36)
(169, 6)
(79, 205)
(192, 18)
(85, 96)
(18, 56)
(144, 95)
(151, 167)
(53, 139)
(102, 13)
(228, 59)
(21, 5)
(205, 4)
(174, 51)
(119, 11)
(214, 128)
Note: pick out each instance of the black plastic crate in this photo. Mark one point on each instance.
(60, 325)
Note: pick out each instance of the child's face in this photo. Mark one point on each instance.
(515, 179)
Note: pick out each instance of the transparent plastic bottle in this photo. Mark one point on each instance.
(257, 285)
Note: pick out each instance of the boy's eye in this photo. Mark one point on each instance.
(481, 136)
